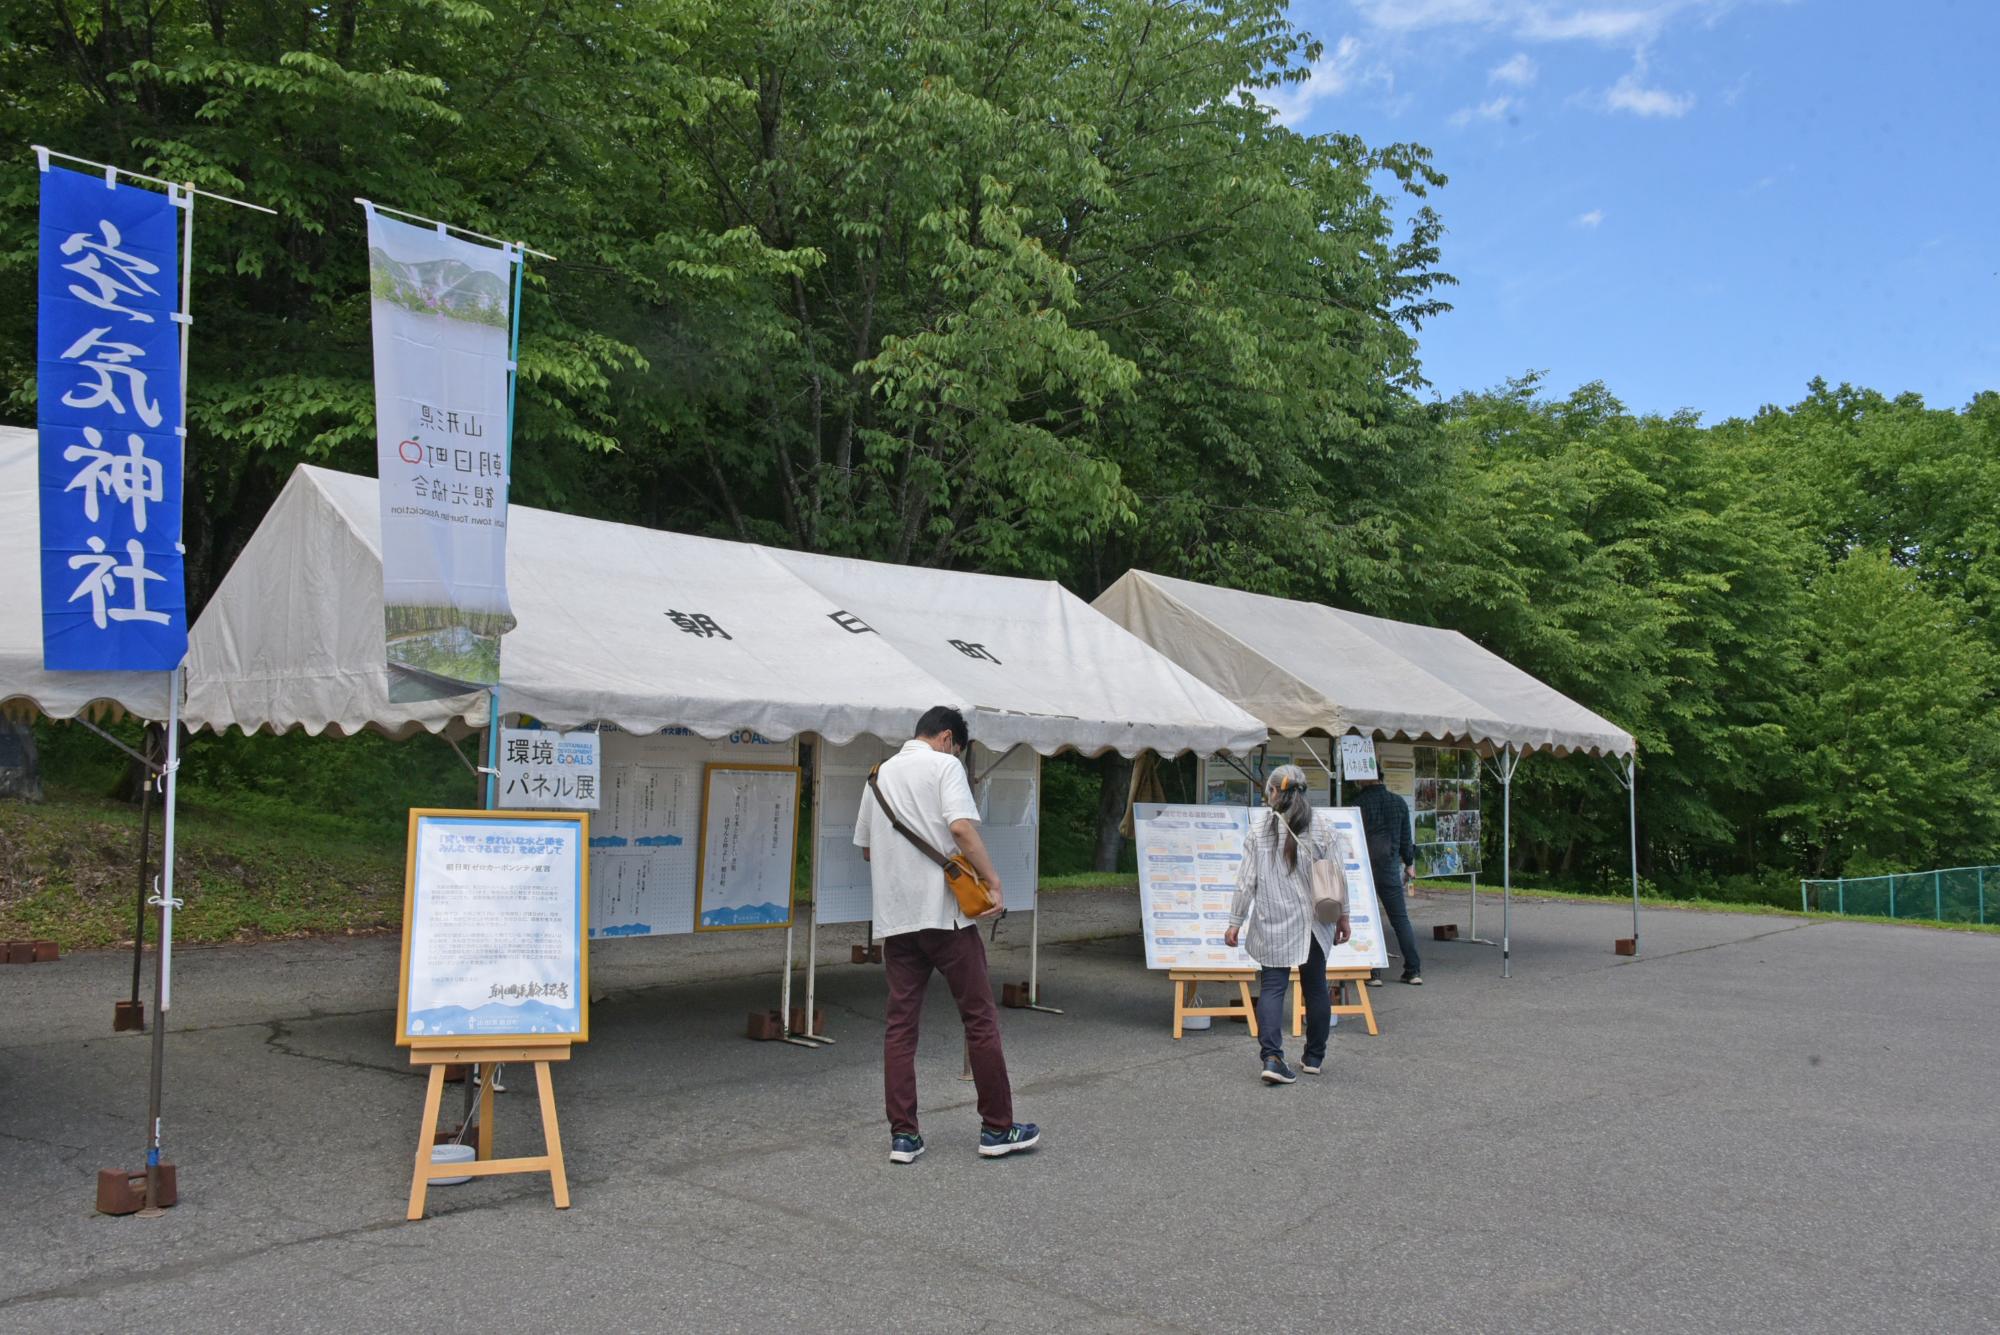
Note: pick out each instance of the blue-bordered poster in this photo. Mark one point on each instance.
(494, 921)
(109, 385)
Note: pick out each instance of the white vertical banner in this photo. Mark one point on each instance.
(441, 306)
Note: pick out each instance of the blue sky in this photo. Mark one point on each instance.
(1703, 203)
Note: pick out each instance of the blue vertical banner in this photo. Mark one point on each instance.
(109, 385)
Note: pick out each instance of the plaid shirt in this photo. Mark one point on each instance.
(1383, 811)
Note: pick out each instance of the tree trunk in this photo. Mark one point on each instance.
(1114, 782)
(20, 763)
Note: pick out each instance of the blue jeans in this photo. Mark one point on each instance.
(1396, 908)
(1272, 1020)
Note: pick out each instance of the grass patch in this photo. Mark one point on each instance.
(255, 869)
(1650, 902)
(1092, 880)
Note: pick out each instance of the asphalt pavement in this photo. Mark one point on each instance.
(1758, 1123)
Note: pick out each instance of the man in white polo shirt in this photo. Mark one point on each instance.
(918, 923)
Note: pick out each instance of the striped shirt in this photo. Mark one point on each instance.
(1276, 899)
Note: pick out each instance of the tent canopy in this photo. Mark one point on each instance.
(611, 629)
(24, 686)
(1302, 668)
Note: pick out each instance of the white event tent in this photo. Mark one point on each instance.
(1303, 668)
(842, 650)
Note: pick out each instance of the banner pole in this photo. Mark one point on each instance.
(163, 987)
(507, 463)
(163, 977)
(145, 869)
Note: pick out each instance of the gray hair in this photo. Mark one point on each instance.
(1285, 791)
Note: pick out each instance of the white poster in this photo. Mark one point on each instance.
(542, 769)
(1188, 858)
(1010, 824)
(440, 308)
(1357, 757)
(1188, 861)
(749, 846)
(846, 889)
(494, 929)
(645, 837)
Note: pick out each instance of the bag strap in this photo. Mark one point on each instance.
(902, 829)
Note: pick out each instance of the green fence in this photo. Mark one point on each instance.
(1952, 894)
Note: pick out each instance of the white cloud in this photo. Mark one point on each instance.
(1518, 71)
(1628, 94)
(1535, 20)
(1332, 74)
(1485, 111)
(1594, 25)
(1590, 219)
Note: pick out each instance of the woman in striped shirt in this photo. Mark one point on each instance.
(1275, 881)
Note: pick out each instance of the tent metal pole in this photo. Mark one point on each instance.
(1632, 812)
(1508, 760)
(1035, 929)
(812, 907)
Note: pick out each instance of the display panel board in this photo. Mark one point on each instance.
(644, 840)
(495, 910)
(749, 846)
(1441, 784)
(1225, 781)
(1009, 798)
(1189, 857)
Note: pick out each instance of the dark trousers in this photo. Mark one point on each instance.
(1272, 1019)
(1396, 908)
(961, 957)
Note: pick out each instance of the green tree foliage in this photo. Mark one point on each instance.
(1042, 288)
(1898, 752)
(1786, 613)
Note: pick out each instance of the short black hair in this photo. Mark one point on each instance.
(943, 718)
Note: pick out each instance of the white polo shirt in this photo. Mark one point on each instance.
(929, 791)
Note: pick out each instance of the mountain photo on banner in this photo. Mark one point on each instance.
(439, 308)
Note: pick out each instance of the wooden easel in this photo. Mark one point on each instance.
(1338, 979)
(1186, 981)
(485, 1058)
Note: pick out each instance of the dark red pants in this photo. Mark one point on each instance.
(961, 957)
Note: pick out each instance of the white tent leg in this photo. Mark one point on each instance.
(1510, 760)
(812, 904)
(785, 1002)
(1632, 812)
(1035, 965)
(812, 964)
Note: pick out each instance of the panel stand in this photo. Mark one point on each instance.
(1188, 981)
(1339, 978)
(550, 1161)
(1472, 936)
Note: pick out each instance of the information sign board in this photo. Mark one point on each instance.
(1189, 857)
(749, 846)
(495, 909)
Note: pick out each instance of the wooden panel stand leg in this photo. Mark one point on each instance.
(420, 1182)
(1187, 982)
(550, 1161)
(486, 1112)
(551, 1137)
(1362, 1005)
